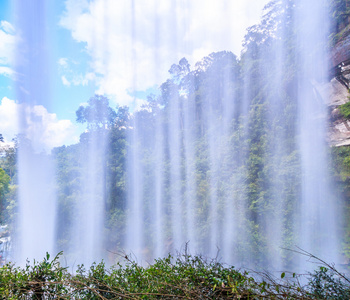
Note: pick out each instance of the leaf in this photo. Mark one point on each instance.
(283, 275)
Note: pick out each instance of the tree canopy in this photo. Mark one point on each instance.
(97, 114)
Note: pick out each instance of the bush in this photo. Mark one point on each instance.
(181, 277)
(344, 110)
(326, 284)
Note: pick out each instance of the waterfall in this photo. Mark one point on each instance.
(318, 213)
(227, 158)
(224, 184)
(35, 223)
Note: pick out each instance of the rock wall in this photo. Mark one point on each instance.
(339, 129)
(340, 52)
(338, 91)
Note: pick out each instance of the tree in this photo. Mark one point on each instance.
(97, 114)
(8, 159)
(178, 72)
(340, 13)
(122, 116)
(4, 188)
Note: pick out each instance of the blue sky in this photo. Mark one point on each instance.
(111, 48)
(5, 15)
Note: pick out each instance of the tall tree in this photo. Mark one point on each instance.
(97, 114)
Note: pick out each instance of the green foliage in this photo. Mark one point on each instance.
(4, 183)
(184, 276)
(326, 284)
(41, 280)
(340, 169)
(263, 171)
(341, 165)
(340, 17)
(4, 190)
(340, 12)
(8, 160)
(344, 110)
(97, 114)
(69, 161)
(259, 165)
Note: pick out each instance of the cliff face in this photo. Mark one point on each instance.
(339, 129)
(338, 91)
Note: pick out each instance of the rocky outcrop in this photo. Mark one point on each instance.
(338, 92)
(340, 52)
(339, 129)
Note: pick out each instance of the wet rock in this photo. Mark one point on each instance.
(339, 129)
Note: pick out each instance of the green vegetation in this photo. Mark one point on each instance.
(344, 110)
(341, 174)
(262, 168)
(340, 19)
(259, 157)
(182, 277)
(7, 184)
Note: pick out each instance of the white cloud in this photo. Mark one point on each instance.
(83, 80)
(7, 27)
(71, 77)
(6, 71)
(7, 44)
(65, 81)
(134, 48)
(9, 119)
(63, 62)
(44, 129)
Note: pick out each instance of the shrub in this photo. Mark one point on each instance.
(344, 110)
(181, 277)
